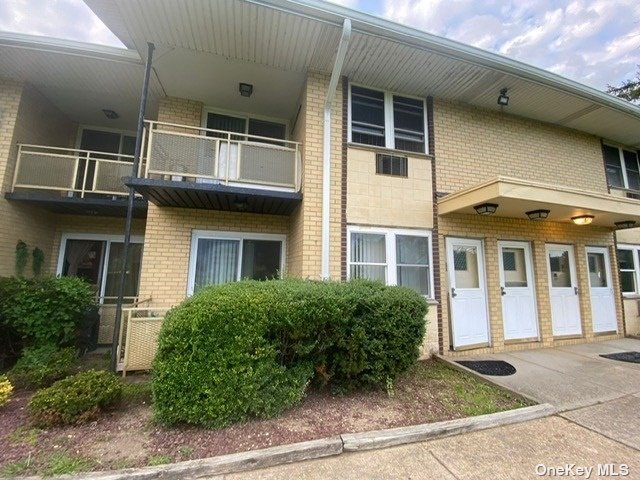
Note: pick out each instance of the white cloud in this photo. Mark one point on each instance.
(68, 19)
(596, 42)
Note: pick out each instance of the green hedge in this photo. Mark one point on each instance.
(75, 399)
(43, 311)
(41, 366)
(249, 349)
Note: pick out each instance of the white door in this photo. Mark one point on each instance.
(603, 305)
(565, 305)
(517, 288)
(469, 320)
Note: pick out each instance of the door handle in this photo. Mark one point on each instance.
(453, 292)
(575, 289)
(502, 292)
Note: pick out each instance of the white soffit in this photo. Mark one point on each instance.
(302, 35)
(79, 80)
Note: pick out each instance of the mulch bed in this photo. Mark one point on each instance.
(498, 368)
(128, 437)
(631, 357)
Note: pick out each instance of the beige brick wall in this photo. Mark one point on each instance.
(491, 230)
(167, 245)
(306, 221)
(181, 111)
(475, 145)
(386, 200)
(26, 117)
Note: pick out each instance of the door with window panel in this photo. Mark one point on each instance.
(603, 306)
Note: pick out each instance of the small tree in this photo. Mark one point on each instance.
(38, 261)
(628, 90)
(22, 257)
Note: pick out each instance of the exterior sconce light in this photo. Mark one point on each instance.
(240, 203)
(538, 214)
(486, 208)
(110, 114)
(503, 99)
(625, 224)
(582, 219)
(246, 89)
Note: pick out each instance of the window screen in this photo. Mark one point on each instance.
(367, 116)
(391, 165)
(408, 124)
(613, 167)
(631, 165)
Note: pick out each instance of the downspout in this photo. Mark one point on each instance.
(326, 145)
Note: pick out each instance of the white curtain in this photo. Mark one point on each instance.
(368, 248)
(216, 262)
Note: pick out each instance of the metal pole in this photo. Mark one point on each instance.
(127, 227)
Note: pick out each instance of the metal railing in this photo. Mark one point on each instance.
(203, 155)
(70, 171)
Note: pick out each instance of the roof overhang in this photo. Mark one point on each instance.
(515, 197)
(303, 35)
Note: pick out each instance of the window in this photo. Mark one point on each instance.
(239, 124)
(391, 165)
(222, 257)
(387, 120)
(628, 269)
(395, 257)
(622, 167)
(107, 141)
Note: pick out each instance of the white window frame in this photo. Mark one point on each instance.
(99, 238)
(122, 133)
(224, 235)
(635, 250)
(390, 233)
(389, 133)
(623, 163)
(246, 116)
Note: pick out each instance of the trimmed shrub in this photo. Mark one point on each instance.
(75, 399)
(249, 349)
(46, 310)
(41, 366)
(5, 389)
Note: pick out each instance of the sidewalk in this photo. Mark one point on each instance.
(510, 452)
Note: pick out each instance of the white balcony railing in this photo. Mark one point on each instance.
(185, 153)
(72, 172)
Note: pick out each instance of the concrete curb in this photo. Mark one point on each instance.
(325, 447)
(417, 433)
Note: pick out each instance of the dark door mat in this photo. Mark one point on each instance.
(498, 368)
(631, 357)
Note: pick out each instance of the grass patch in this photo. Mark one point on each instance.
(18, 467)
(24, 435)
(61, 463)
(461, 393)
(185, 452)
(159, 460)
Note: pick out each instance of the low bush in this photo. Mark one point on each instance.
(75, 399)
(5, 389)
(44, 311)
(41, 366)
(249, 349)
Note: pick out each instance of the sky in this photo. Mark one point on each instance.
(596, 42)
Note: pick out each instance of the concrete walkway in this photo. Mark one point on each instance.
(599, 424)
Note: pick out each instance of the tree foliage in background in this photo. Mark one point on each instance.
(628, 90)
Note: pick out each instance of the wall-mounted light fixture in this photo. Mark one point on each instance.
(110, 114)
(582, 219)
(541, 214)
(486, 208)
(503, 99)
(240, 203)
(246, 89)
(625, 224)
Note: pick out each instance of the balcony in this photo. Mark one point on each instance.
(194, 167)
(73, 181)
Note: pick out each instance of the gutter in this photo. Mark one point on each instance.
(326, 145)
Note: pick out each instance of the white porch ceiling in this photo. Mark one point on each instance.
(302, 35)
(79, 82)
